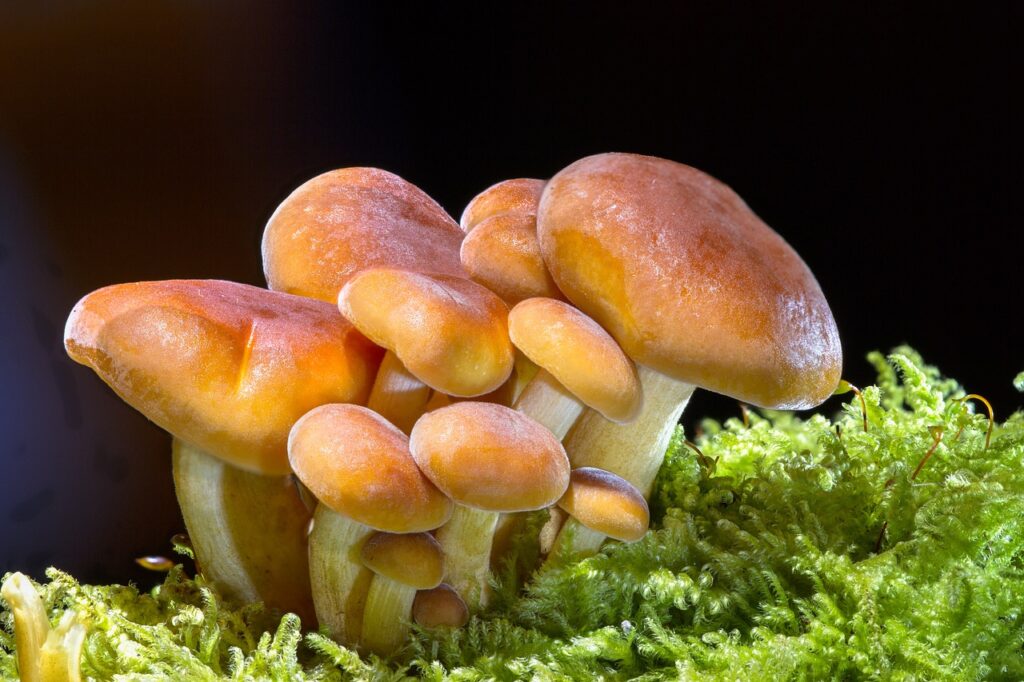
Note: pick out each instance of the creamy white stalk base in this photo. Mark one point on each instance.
(248, 531)
(466, 542)
(337, 575)
(387, 614)
(45, 654)
(397, 395)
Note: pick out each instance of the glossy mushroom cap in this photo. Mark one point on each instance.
(607, 503)
(502, 253)
(579, 353)
(451, 333)
(490, 457)
(226, 367)
(688, 280)
(519, 196)
(345, 220)
(414, 559)
(440, 607)
(358, 464)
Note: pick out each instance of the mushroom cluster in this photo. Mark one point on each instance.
(356, 442)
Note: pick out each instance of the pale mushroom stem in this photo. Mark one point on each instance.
(45, 654)
(466, 542)
(575, 538)
(397, 395)
(545, 400)
(634, 450)
(248, 530)
(387, 614)
(338, 577)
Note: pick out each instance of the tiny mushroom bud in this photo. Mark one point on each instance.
(441, 607)
(403, 564)
(488, 459)
(359, 467)
(601, 502)
(519, 196)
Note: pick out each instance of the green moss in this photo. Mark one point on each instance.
(765, 561)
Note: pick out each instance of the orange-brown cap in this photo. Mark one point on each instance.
(502, 253)
(688, 280)
(607, 503)
(358, 464)
(579, 353)
(440, 607)
(414, 559)
(345, 220)
(518, 196)
(226, 367)
(451, 333)
(490, 457)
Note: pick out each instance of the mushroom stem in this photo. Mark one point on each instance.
(548, 402)
(466, 542)
(397, 395)
(575, 538)
(635, 450)
(387, 614)
(248, 530)
(338, 577)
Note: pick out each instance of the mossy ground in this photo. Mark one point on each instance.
(766, 560)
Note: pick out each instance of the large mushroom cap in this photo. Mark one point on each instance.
(226, 367)
(345, 220)
(579, 353)
(490, 457)
(688, 280)
(451, 333)
(359, 465)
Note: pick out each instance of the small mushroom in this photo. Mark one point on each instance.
(359, 467)
(604, 504)
(402, 564)
(227, 368)
(448, 332)
(488, 459)
(518, 196)
(45, 654)
(694, 287)
(441, 607)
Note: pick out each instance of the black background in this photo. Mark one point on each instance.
(148, 142)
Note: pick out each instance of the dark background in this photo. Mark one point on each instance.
(152, 140)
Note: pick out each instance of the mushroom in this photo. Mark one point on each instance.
(516, 196)
(447, 332)
(601, 504)
(402, 564)
(694, 287)
(488, 459)
(45, 653)
(227, 368)
(441, 607)
(358, 466)
(344, 221)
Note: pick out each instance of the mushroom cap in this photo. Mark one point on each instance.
(689, 280)
(226, 367)
(490, 457)
(607, 503)
(440, 607)
(451, 333)
(414, 559)
(519, 196)
(503, 254)
(345, 220)
(579, 353)
(358, 464)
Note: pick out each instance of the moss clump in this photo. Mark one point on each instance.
(766, 560)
